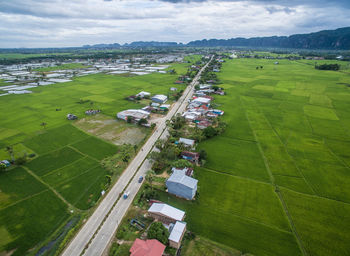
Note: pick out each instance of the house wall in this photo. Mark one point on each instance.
(180, 190)
(162, 218)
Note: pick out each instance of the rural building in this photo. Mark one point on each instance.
(159, 98)
(135, 114)
(193, 157)
(166, 213)
(150, 247)
(202, 100)
(203, 124)
(71, 117)
(205, 86)
(177, 232)
(187, 142)
(188, 171)
(181, 185)
(6, 163)
(143, 94)
(164, 106)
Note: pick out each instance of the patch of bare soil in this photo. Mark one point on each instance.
(131, 136)
(115, 131)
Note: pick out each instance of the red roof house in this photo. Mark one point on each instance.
(150, 247)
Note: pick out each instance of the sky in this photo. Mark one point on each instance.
(69, 23)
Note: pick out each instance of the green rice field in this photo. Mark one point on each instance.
(64, 175)
(277, 181)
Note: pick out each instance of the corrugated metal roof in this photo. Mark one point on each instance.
(167, 210)
(179, 176)
(186, 141)
(177, 231)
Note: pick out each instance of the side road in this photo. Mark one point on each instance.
(96, 234)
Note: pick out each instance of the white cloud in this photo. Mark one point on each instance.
(54, 23)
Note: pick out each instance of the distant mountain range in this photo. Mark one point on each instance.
(338, 39)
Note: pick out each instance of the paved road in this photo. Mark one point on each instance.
(98, 231)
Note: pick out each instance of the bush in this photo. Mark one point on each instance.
(334, 67)
(20, 160)
(159, 232)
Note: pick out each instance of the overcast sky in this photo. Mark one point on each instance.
(60, 23)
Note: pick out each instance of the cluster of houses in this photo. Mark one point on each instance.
(199, 109)
(173, 219)
(144, 113)
(22, 77)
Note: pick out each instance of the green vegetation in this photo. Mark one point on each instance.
(159, 232)
(62, 67)
(275, 182)
(66, 168)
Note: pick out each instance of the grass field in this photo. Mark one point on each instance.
(67, 160)
(276, 182)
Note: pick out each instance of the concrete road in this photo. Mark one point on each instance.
(97, 233)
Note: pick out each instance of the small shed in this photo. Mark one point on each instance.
(193, 157)
(187, 142)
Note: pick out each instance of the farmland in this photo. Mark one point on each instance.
(66, 170)
(276, 182)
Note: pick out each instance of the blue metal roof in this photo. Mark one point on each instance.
(179, 176)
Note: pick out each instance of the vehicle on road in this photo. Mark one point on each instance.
(126, 195)
(140, 179)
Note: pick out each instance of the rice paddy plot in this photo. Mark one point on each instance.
(16, 185)
(239, 213)
(53, 160)
(95, 148)
(29, 221)
(84, 190)
(233, 157)
(321, 223)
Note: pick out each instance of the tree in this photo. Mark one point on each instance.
(129, 119)
(159, 232)
(43, 124)
(209, 132)
(20, 160)
(2, 167)
(150, 177)
(9, 150)
(202, 154)
(181, 163)
(142, 121)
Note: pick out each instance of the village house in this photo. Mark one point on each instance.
(150, 247)
(143, 94)
(177, 232)
(159, 98)
(193, 157)
(181, 185)
(203, 124)
(165, 213)
(187, 142)
(135, 114)
(188, 171)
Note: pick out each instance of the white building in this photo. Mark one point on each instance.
(159, 98)
(143, 94)
(136, 114)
